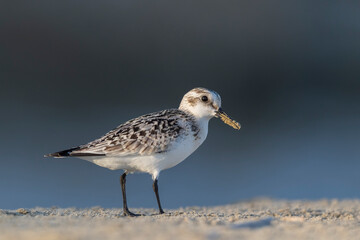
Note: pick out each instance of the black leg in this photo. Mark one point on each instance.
(155, 187)
(125, 207)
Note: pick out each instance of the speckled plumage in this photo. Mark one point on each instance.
(148, 134)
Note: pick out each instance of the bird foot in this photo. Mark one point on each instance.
(127, 213)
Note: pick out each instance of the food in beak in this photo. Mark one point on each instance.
(226, 119)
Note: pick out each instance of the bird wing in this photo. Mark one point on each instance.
(145, 135)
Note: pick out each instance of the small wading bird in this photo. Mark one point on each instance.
(156, 141)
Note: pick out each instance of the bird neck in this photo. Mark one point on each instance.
(201, 123)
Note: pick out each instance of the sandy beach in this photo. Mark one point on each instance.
(255, 219)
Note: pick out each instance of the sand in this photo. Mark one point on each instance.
(255, 219)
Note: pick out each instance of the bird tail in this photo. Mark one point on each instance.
(70, 153)
(61, 154)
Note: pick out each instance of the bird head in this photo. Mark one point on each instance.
(203, 103)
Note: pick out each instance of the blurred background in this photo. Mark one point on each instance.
(288, 71)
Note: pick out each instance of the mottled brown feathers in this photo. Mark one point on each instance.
(192, 100)
(145, 135)
(200, 90)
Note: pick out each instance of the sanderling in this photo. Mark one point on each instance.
(155, 141)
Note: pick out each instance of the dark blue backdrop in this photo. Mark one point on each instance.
(288, 71)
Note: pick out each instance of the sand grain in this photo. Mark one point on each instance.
(256, 219)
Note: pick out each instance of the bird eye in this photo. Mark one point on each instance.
(204, 98)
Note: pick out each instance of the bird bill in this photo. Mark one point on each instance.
(226, 119)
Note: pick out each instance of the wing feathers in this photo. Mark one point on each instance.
(145, 135)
